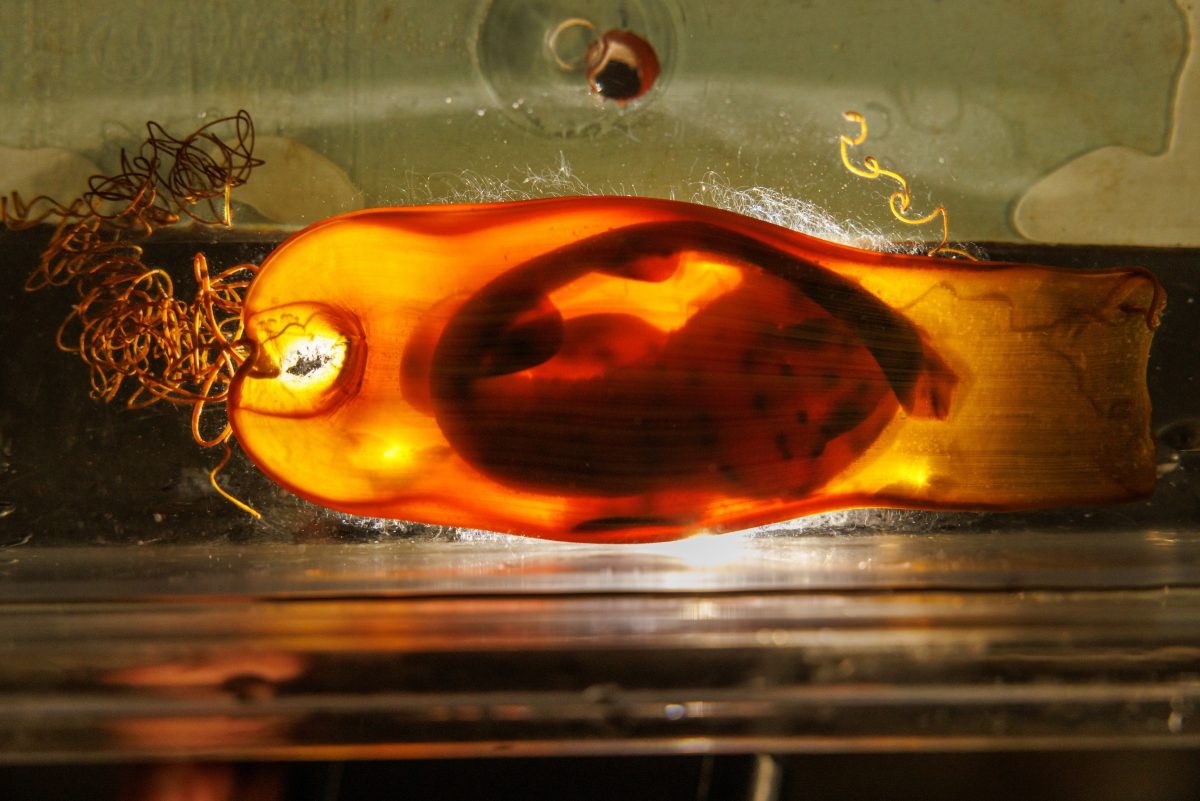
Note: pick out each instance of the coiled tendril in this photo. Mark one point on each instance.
(900, 201)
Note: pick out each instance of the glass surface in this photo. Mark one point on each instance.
(143, 615)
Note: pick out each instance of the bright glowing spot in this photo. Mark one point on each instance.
(917, 475)
(399, 453)
(312, 361)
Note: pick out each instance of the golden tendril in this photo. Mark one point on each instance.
(900, 201)
(128, 323)
(564, 26)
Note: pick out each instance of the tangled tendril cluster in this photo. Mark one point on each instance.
(128, 324)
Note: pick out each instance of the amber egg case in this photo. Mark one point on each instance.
(612, 393)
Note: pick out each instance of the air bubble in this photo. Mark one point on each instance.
(1176, 441)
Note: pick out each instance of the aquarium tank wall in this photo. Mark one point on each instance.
(998, 567)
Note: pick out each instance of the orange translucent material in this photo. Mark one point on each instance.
(630, 369)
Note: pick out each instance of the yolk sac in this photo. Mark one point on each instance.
(621, 66)
(623, 369)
